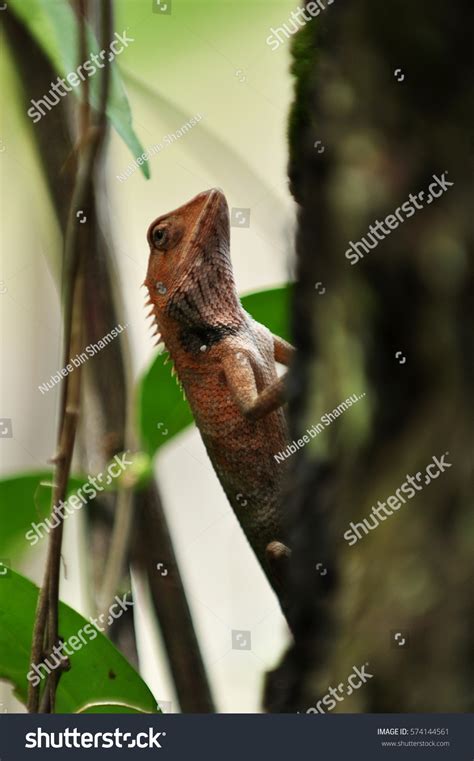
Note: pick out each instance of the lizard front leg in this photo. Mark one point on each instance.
(283, 351)
(241, 382)
(240, 378)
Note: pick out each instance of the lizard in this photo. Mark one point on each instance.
(225, 363)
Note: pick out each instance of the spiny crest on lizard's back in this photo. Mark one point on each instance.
(160, 343)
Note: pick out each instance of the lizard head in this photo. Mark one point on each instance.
(189, 277)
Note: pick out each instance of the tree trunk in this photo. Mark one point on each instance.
(396, 325)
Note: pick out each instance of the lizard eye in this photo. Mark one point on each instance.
(160, 237)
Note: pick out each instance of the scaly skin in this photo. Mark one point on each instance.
(225, 361)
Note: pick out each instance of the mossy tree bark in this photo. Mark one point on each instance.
(413, 293)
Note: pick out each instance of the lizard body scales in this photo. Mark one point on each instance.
(225, 362)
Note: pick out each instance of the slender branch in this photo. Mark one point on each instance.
(84, 112)
(152, 543)
(46, 623)
(119, 546)
(118, 551)
(101, 312)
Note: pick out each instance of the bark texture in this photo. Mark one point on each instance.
(413, 293)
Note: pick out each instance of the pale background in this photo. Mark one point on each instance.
(209, 58)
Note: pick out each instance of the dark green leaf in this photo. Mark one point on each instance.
(99, 674)
(25, 499)
(271, 308)
(54, 27)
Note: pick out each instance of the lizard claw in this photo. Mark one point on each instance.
(277, 555)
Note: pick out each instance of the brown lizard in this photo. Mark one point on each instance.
(225, 361)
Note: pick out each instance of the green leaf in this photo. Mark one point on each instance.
(54, 27)
(25, 499)
(108, 708)
(271, 308)
(99, 674)
(162, 412)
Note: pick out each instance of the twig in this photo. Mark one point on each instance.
(119, 546)
(152, 543)
(46, 623)
(118, 552)
(173, 614)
